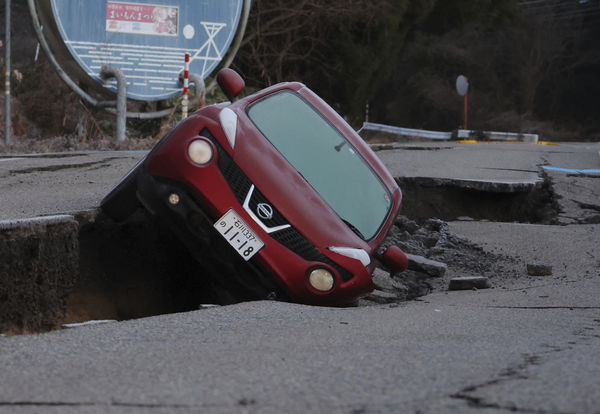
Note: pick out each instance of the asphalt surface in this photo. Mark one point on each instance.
(40, 184)
(45, 184)
(530, 344)
(448, 353)
(494, 161)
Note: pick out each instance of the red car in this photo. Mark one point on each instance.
(274, 193)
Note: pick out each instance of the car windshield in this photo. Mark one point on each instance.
(326, 160)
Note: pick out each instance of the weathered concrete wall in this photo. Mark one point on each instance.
(39, 264)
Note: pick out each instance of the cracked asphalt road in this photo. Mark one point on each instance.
(450, 352)
(45, 184)
(530, 344)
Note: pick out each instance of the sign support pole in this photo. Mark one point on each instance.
(7, 120)
(466, 109)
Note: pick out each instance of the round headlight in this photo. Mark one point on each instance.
(200, 152)
(321, 279)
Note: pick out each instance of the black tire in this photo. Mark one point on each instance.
(121, 202)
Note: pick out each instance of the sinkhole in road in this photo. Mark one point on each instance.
(132, 270)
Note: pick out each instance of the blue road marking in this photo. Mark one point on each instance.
(573, 171)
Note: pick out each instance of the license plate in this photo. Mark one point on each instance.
(239, 235)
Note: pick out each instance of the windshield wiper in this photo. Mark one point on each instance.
(353, 228)
(339, 146)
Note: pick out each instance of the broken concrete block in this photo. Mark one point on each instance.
(424, 265)
(381, 297)
(382, 280)
(39, 266)
(539, 269)
(434, 224)
(404, 223)
(469, 282)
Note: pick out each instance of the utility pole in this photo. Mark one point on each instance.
(7, 75)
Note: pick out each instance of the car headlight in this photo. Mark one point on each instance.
(358, 254)
(321, 279)
(200, 152)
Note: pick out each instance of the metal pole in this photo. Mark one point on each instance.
(7, 120)
(466, 105)
(106, 72)
(200, 89)
(466, 109)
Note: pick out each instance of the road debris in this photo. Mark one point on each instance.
(469, 282)
(380, 297)
(424, 265)
(435, 255)
(539, 269)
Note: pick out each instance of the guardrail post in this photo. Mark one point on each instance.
(107, 73)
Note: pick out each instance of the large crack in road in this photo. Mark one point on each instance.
(489, 394)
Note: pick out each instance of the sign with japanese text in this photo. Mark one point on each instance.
(147, 39)
(138, 18)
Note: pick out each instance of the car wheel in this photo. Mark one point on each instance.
(121, 202)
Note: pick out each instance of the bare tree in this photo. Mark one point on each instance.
(298, 40)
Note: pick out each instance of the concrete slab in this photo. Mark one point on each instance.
(39, 266)
(486, 162)
(498, 167)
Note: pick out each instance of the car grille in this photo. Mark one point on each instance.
(289, 237)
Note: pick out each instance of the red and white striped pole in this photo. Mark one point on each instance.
(186, 74)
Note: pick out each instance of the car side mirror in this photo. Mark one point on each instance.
(231, 83)
(394, 259)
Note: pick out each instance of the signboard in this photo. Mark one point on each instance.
(145, 19)
(147, 39)
(462, 85)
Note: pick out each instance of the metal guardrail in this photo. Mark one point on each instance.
(499, 136)
(406, 132)
(438, 135)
